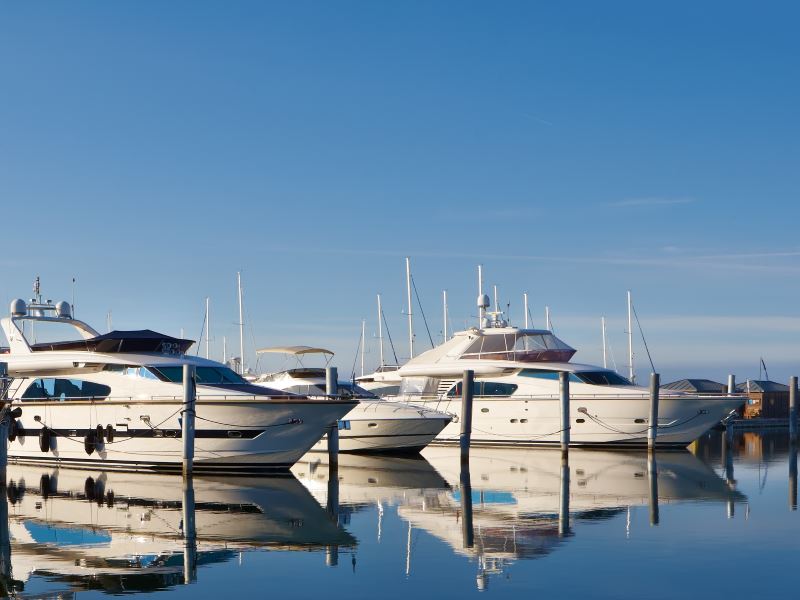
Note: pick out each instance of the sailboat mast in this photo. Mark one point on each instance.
(525, 307)
(480, 295)
(241, 323)
(363, 340)
(380, 328)
(603, 324)
(444, 313)
(208, 327)
(410, 315)
(631, 374)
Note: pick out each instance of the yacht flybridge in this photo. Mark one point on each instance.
(516, 394)
(114, 401)
(373, 425)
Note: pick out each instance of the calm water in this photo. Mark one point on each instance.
(400, 528)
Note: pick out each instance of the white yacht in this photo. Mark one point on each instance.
(516, 394)
(123, 532)
(373, 425)
(114, 401)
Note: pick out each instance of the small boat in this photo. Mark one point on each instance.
(373, 425)
(114, 401)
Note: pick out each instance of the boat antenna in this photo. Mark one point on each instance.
(241, 322)
(603, 325)
(422, 312)
(410, 315)
(631, 373)
(389, 335)
(644, 341)
(380, 329)
(525, 307)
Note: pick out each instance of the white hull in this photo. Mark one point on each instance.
(232, 436)
(384, 426)
(607, 421)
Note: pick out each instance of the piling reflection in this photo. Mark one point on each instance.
(116, 532)
(526, 503)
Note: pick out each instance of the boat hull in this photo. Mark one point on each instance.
(596, 421)
(231, 436)
(387, 427)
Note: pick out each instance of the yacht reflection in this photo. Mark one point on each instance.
(122, 532)
(524, 503)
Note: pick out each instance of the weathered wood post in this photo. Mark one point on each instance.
(332, 390)
(189, 532)
(563, 386)
(652, 424)
(793, 408)
(467, 392)
(187, 418)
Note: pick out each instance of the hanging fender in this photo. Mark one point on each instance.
(44, 439)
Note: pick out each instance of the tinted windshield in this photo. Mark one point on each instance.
(205, 375)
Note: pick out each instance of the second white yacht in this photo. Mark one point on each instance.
(373, 425)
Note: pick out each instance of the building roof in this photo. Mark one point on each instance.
(697, 386)
(759, 385)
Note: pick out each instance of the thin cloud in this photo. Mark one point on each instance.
(651, 202)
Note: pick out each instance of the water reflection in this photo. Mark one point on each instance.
(123, 532)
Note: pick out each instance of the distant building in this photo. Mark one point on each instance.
(766, 399)
(697, 386)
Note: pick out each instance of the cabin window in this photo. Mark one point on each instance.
(486, 388)
(52, 388)
(205, 375)
(418, 386)
(545, 374)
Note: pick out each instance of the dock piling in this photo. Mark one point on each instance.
(187, 418)
(467, 391)
(652, 423)
(563, 384)
(793, 408)
(332, 390)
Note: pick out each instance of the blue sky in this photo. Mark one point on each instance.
(151, 150)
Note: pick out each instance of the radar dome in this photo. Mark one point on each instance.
(18, 308)
(64, 310)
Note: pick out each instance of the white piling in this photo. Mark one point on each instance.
(793, 408)
(652, 423)
(467, 390)
(187, 418)
(332, 390)
(563, 385)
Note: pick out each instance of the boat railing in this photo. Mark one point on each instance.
(526, 397)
